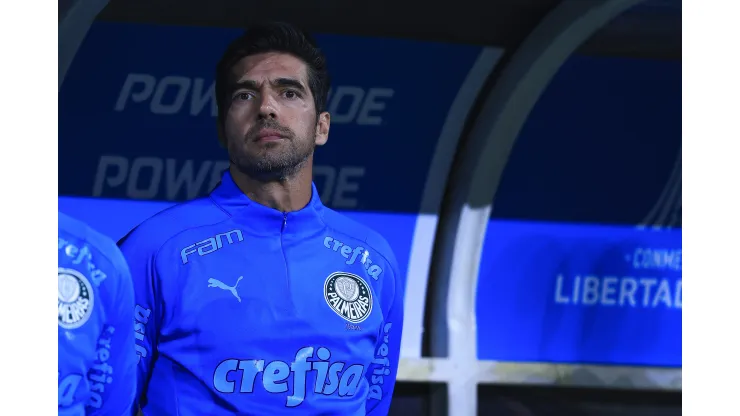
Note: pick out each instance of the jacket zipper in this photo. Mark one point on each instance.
(285, 261)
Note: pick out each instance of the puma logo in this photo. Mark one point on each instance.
(221, 285)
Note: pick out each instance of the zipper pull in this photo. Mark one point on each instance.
(285, 220)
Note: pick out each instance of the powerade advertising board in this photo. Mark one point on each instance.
(138, 123)
(602, 146)
(138, 129)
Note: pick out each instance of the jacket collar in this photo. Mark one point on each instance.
(263, 220)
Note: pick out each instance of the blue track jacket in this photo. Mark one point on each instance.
(97, 365)
(242, 309)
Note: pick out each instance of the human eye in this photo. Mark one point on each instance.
(291, 94)
(242, 96)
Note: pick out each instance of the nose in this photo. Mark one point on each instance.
(267, 108)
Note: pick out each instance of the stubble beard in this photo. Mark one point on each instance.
(277, 161)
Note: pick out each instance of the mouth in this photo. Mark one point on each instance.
(269, 135)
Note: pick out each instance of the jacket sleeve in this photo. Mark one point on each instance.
(113, 376)
(383, 370)
(147, 313)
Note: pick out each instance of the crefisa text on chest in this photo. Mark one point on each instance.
(352, 254)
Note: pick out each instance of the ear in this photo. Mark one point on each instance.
(322, 128)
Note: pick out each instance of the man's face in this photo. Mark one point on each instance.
(271, 127)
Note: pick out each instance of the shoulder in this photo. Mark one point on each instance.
(155, 232)
(83, 237)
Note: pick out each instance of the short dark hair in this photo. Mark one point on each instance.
(275, 37)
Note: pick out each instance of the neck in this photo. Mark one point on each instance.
(291, 194)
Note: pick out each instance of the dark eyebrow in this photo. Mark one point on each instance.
(244, 84)
(249, 84)
(289, 82)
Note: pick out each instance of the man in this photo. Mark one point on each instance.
(259, 300)
(97, 365)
